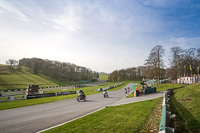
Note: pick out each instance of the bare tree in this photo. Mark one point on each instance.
(11, 62)
(175, 61)
(155, 60)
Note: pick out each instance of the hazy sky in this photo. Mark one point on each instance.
(103, 35)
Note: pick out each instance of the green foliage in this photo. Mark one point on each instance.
(119, 119)
(185, 104)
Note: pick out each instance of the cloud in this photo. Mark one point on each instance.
(102, 35)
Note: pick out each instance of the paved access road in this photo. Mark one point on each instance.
(38, 117)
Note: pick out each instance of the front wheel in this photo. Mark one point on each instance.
(78, 99)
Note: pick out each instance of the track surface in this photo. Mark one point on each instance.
(38, 117)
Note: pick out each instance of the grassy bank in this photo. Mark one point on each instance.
(163, 87)
(19, 80)
(15, 79)
(121, 119)
(185, 104)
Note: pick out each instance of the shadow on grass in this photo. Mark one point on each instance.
(178, 88)
(5, 85)
(184, 122)
(26, 77)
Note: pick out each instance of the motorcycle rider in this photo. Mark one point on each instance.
(105, 92)
(82, 93)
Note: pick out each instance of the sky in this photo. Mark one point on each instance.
(103, 35)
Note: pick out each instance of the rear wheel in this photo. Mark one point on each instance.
(85, 98)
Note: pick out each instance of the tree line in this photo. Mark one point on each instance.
(58, 70)
(183, 62)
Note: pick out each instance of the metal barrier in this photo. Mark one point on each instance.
(166, 114)
(107, 88)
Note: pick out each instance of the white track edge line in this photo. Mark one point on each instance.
(137, 101)
(70, 120)
(76, 118)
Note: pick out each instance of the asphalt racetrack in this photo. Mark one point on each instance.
(35, 118)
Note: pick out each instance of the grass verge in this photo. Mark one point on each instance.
(185, 104)
(28, 102)
(119, 119)
(163, 87)
(153, 121)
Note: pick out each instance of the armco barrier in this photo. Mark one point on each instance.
(165, 118)
(41, 95)
(107, 88)
(50, 94)
(39, 88)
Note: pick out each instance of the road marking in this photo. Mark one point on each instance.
(137, 101)
(70, 120)
(76, 118)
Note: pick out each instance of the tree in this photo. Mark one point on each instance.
(155, 60)
(58, 70)
(175, 61)
(11, 62)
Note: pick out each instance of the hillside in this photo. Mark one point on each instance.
(19, 79)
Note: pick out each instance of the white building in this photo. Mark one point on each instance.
(187, 80)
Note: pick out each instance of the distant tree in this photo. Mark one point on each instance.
(155, 61)
(113, 77)
(176, 61)
(58, 70)
(97, 75)
(11, 62)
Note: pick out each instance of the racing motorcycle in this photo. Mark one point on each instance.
(81, 97)
(105, 94)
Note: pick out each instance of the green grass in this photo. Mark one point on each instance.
(103, 76)
(130, 95)
(185, 104)
(28, 102)
(118, 119)
(19, 79)
(93, 89)
(163, 87)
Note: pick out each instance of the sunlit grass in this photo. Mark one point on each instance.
(185, 104)
(118, 119)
